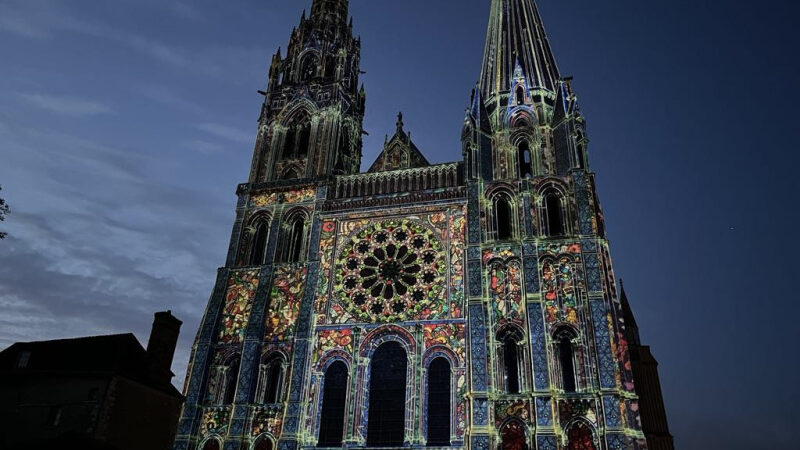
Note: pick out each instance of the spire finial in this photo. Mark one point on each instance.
(399, 122)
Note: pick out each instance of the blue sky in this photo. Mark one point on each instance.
(125, 126)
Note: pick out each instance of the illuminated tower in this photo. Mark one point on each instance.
(469, 304)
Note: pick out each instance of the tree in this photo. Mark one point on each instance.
(3, 212)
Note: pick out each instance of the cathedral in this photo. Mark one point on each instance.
(470, 304)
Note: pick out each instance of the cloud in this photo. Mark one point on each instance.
(227, 132)
(98, 244)
(71, 106)
(204, 147)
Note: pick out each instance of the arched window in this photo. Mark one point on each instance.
(502, 217)
(289, 144)
(272, 379)
(303, 139)
(512, 436)
(510, 353)
(566, 360)
(554, 214)
(258, 253)
(387, 396)
(580, 437)
(263, 443)
(520, 95)
(439, 403)
(231, 376)
(212, 444)
(295, 243)
(290, 174)
(308, 67)
(334, 396)
(525, 161)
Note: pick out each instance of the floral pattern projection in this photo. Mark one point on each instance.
(261, 200)
(561, 279)
(215, 420)
(505, 286)
(239, 297)
(267, 420)
(390, 270)
(285, 298)
(393, 270)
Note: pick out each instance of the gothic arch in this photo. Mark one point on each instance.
(567, 355)
(580, 435)
(511, 358)
(295, 227)
(308, 65)
(258, 237)
(553, 205)
(513, 435)
(503, 215)
(272, 377)
(295, 110)
(373, 340)
(264, 441)
(440, 396)
(211, 442)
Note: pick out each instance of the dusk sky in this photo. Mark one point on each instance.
(125, 126)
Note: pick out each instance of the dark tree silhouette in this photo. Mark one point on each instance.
(3, 212)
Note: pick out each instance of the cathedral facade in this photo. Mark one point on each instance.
(470, 304)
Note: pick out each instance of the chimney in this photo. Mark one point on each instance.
(161, 346)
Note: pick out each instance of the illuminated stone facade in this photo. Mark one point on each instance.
(469, 304)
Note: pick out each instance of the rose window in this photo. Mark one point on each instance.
(390, 271)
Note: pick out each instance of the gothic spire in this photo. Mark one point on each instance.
(516, 34)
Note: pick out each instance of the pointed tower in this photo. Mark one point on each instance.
(546, 323)
(311, 119)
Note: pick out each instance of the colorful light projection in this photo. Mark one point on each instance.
(392, 271)
(272, 198)
(285, 300)
(239, 297)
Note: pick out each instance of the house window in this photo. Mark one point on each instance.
(24, 359)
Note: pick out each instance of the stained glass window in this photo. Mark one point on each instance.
(391, 271)
(513, 436)
(387, 396)
(580, 437)
(439, 402)
(334, 395)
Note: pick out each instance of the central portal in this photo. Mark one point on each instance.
(387, 396)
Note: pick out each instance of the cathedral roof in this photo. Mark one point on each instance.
(399, 152)
(516, 33)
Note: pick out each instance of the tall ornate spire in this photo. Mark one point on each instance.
(516, 34)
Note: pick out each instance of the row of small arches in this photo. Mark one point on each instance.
(552, 214)
(511, 362)
(269, 389)
(292, 239)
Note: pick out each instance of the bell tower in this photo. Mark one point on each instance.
(311, 120)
